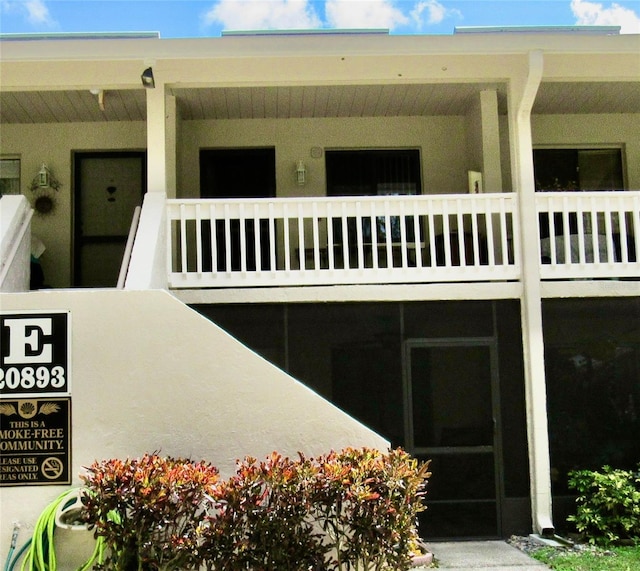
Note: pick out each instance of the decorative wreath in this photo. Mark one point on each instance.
(44, 201)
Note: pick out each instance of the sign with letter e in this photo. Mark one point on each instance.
(34, 354)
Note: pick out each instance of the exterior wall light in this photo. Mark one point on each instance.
(44, 179)
(147, 78)
(301, 173)
(44, 176)
(43, 186)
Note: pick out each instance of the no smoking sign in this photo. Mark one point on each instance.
(35, 398)
(34, 441)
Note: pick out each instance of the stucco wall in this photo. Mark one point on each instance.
(442, 141)
(54, 145)
(591, 131)
(150, 374)
(444, 144)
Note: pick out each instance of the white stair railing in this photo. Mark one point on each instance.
(15, 241)
(128, 249)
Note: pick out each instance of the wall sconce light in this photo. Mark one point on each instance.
(44, 176)
(147, 78)
(44, 179)
(42, 186)
(301, 173)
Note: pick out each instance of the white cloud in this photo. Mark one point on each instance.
(595, 14)
(364, 14)
(345, 14)
(263, 15)
(35, 11)
(435, 12)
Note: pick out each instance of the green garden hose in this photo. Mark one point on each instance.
(39, 553)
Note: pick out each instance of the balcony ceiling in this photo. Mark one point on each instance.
(311, 101)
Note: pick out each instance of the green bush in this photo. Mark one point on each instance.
(608, 504)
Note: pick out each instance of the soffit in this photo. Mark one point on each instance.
(71, 106)
(587, 97)
(283, 102)
(390, 100)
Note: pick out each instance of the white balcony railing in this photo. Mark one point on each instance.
(351, 240)
(589, 234)
(398, 239)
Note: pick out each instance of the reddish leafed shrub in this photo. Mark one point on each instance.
(351, 510)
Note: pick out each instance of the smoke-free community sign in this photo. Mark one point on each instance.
(35, 398)
(35, 441)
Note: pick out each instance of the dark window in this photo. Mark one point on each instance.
(373, 172)
(575, 169)
(578, 169)
(237, 173)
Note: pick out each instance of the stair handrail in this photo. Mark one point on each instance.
(16, 241)
(126, 259)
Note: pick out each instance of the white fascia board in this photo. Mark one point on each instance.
(312, 46)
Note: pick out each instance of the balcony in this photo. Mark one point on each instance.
(398, 239)
(589, 235)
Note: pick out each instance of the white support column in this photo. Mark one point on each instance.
(522, 93)
(171, 131)
(156, 139)
(483, 139)
(491, 168)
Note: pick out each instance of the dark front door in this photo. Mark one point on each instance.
(452, 406)
(108, 187)
(237, 173)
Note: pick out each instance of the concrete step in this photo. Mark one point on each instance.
(484, 555)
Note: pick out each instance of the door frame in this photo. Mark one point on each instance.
(77, 158)
(496, 447)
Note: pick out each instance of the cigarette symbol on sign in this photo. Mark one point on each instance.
(52, 468)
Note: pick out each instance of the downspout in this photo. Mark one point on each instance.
(523, 94)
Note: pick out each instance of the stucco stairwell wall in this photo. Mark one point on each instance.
(149, 374)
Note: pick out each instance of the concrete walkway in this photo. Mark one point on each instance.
(484, 555)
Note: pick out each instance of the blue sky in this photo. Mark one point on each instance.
(196, 18)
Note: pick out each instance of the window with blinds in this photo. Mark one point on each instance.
(373, 172)
(9, 176)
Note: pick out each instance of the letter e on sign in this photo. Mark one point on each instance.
(27, 340)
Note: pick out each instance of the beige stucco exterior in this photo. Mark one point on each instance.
(443, 142)
(149, 374)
